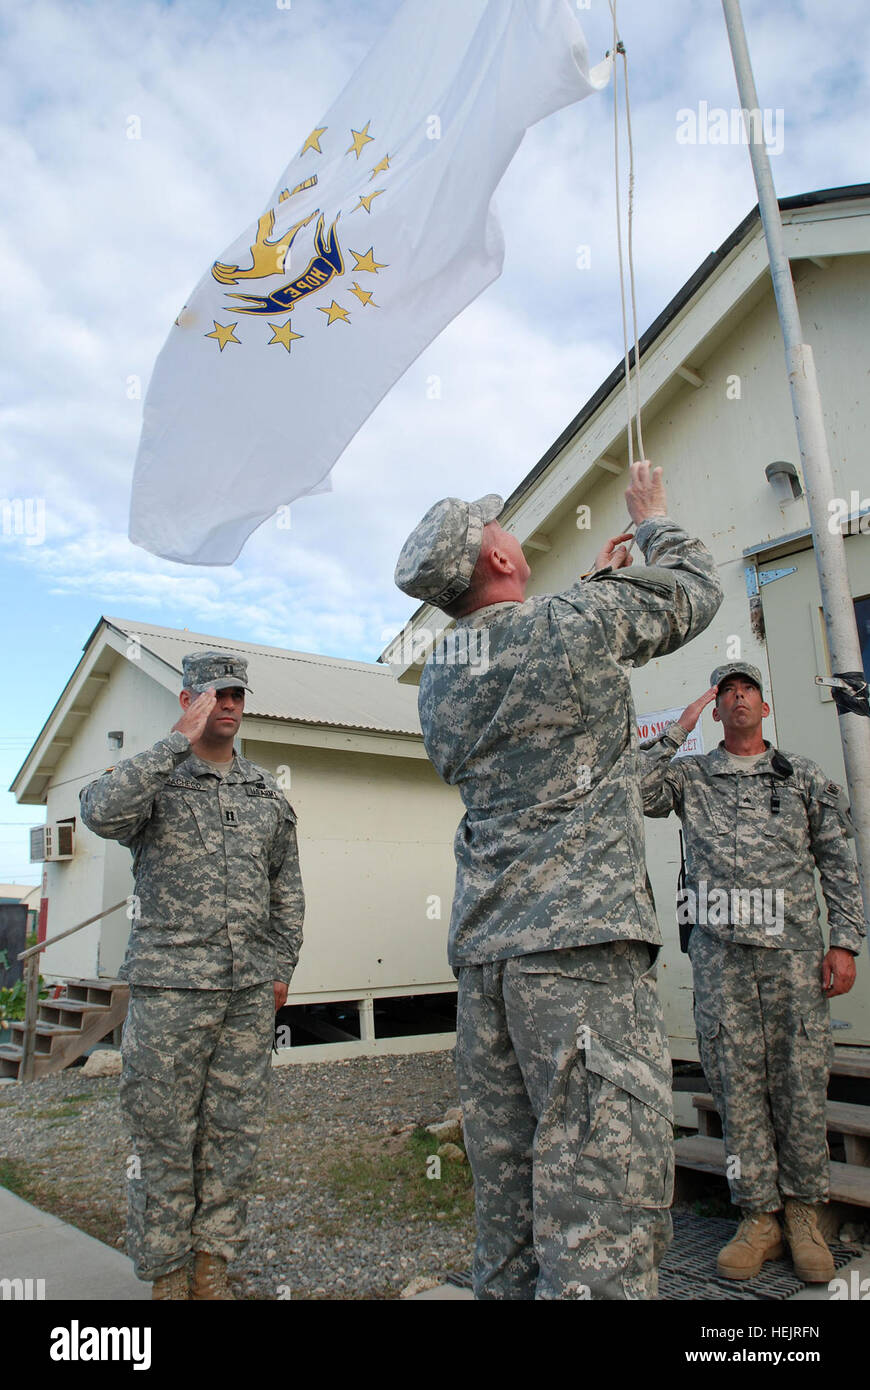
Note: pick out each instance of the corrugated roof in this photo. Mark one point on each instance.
(301, 686)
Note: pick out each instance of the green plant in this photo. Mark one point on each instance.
(13, 999)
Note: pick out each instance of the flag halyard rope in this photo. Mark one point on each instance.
(632, 388)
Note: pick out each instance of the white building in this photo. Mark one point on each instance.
(716, 414)
(375, 823)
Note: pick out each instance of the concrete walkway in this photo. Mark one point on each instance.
(36, 1246)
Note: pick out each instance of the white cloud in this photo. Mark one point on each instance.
(105, 236)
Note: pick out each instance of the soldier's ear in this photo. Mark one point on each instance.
(765, 709)
(185, 699)
(716, 710)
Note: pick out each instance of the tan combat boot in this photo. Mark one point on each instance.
(210, 1277)
(176, 1284)
(813, 1261)
(758, 1238)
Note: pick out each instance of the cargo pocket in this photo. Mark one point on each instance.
(626, 1155)
(816, 1050)
(710, 1043)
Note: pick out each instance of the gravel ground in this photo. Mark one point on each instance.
(340, 1208)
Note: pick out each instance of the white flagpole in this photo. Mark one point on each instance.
(829, 547)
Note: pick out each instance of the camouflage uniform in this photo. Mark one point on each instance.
(561, 1050)
(762, 1020)
(218, 918)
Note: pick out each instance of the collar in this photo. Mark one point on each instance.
(240, 769)
(492, 610)
(718, 761)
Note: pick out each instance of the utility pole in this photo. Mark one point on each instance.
(828, 545)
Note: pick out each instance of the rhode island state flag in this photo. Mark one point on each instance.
(378, 233)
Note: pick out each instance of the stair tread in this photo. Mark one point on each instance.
(846, 1117)
(74, 1005)
(106, 983)
(849, 1181)
(46, 1029)
(851, 1061)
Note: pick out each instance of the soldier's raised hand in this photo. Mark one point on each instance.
(645, 494)
(194, 719)
(692, 713)
(614, 553)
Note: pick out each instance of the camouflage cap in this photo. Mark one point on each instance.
(213, 670)
(438, 558)
(737, 668)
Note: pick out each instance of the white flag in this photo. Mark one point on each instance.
(379, 232)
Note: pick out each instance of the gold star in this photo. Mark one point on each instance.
(224, 333)
(366, 201)
(336, 312)
(313, 141)
(368, 262)
(382, 167)
(364, 296)
(283, 334)
(361, 138)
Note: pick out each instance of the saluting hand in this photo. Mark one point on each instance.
(692, 713)
(194, 719)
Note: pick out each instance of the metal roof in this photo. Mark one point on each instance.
(299, 686)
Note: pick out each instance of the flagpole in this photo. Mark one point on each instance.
(829, 547)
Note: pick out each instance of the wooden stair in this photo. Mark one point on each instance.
(850, 1181)
(83, 1014)
(851, 1122)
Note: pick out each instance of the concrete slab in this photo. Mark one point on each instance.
(39, 1247)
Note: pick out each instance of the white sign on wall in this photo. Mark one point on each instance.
(651, 725)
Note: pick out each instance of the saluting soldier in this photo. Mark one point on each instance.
(216, 935)
(757, 822)
(561, 1053)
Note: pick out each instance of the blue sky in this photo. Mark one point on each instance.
(102, 238)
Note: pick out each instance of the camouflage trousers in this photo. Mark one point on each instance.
(565, 1084)
(765, 1042)
(194, 1090)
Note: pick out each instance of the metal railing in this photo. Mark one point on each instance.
(30, 957)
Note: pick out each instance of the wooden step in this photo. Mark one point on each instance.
(851, 1061)
(44, 1034)
(841, 1117)
(104, 982)
(69, 1014)
(10, 1058)
(849, 1181)
(93, 991)
(68, 1027)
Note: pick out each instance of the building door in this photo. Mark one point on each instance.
(805, 713)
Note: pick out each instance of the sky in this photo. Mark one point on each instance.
(103, 236)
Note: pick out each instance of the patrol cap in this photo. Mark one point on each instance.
(216, 670)
(438, 558)
(737, 668)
